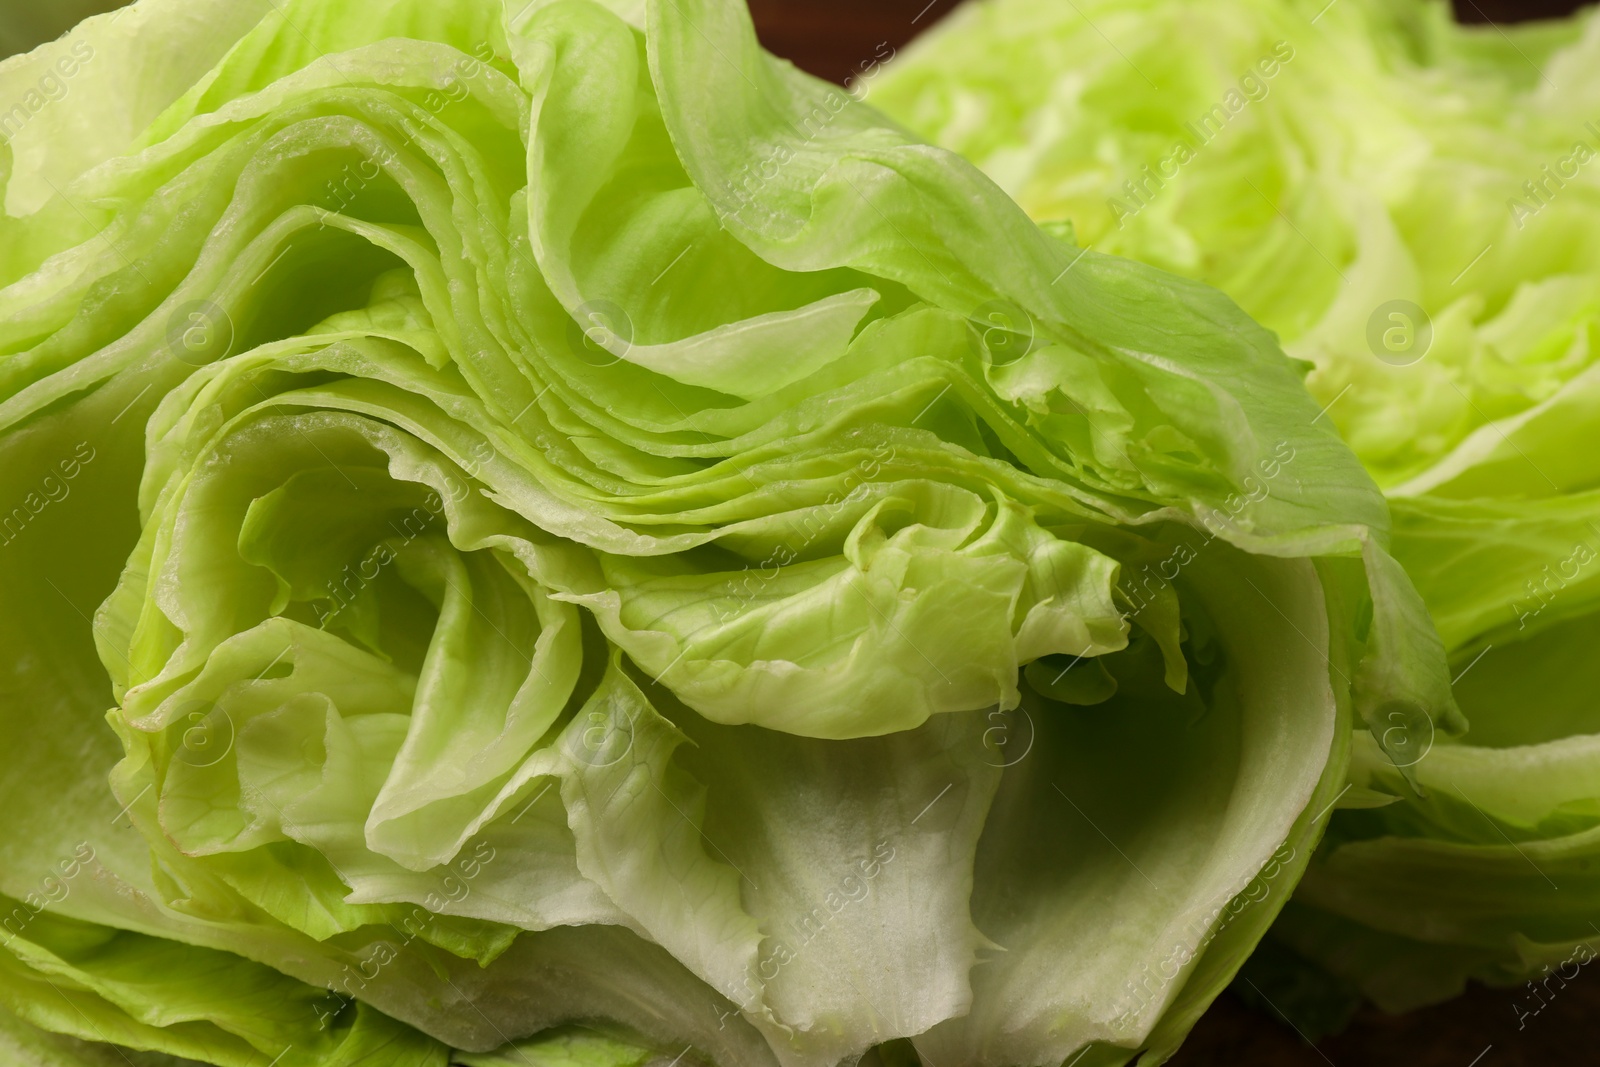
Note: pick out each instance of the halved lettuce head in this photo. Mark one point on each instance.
(1327, 166)
(1413, 206)
(598, 548)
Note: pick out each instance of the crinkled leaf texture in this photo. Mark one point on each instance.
(562, 542)
(1326, 177)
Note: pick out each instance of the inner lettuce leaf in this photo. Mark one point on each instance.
(545, 535)
(1412, 206)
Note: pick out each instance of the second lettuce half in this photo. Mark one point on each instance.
(1414, 207)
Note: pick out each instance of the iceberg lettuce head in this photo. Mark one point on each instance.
(538, 533)
(1413, 206)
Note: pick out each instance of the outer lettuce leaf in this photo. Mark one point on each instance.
(105, 985)
(30, 1046)
(568, 1047)
(1066, 839)
(117, 87)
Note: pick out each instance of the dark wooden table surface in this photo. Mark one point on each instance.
(1480, 1029)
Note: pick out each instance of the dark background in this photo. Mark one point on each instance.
(827, 36)
(1480, 1029)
